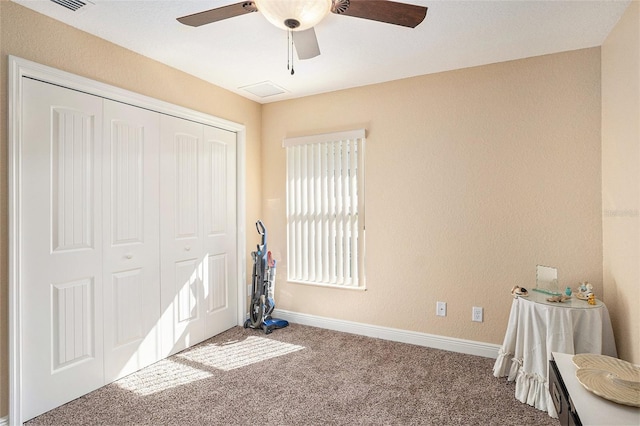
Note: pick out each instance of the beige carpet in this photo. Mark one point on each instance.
(304, 376)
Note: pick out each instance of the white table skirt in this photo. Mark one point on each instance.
(536, 328)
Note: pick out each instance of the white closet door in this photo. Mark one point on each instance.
(219, 230)
(131, 238)
(61, 246)
(198, 232)
(181, 245)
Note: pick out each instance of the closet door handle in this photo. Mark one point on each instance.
(187, 248)
(128, 255)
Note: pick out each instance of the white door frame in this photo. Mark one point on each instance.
(20, 68)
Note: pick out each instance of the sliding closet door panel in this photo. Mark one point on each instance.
(181, 243)
(219, 229)
(61, 246)
(130, 158)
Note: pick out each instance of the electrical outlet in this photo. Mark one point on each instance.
(441, 309)
(476, 314)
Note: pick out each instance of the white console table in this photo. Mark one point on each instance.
(536, 329)
(590, 408)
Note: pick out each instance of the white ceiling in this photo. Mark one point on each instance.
(247, 50)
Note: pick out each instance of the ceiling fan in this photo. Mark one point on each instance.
(300, 16)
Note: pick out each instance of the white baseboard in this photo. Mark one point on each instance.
(487, 350)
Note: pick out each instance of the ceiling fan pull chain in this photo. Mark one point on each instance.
(291, 50)
(288, 53)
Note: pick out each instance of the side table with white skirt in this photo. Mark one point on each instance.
(537, 328)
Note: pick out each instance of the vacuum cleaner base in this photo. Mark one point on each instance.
(271, 324)
(268, 325)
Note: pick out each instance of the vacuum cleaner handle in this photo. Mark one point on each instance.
(261, 230)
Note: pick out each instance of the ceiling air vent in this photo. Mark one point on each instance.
(264, 89)
(72, 5)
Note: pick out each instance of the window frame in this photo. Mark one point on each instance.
(355, 139)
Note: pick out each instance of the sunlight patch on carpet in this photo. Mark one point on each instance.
(238, 354)
(168, 373)
(161, 376)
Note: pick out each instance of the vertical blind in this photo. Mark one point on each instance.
(325, 219)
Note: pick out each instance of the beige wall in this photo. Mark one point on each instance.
(29, 35)
(472, 178)
(621, 180)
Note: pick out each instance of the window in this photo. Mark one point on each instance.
(325, 209)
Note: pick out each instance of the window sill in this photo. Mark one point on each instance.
(335, 286)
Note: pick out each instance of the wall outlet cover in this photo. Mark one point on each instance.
(477, 314)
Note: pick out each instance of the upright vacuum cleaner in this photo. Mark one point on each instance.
(263, 288)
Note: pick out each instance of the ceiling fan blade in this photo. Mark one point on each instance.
(306, 43)
(391, 12)
(218, 14)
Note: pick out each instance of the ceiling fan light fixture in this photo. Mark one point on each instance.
(295, 15)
